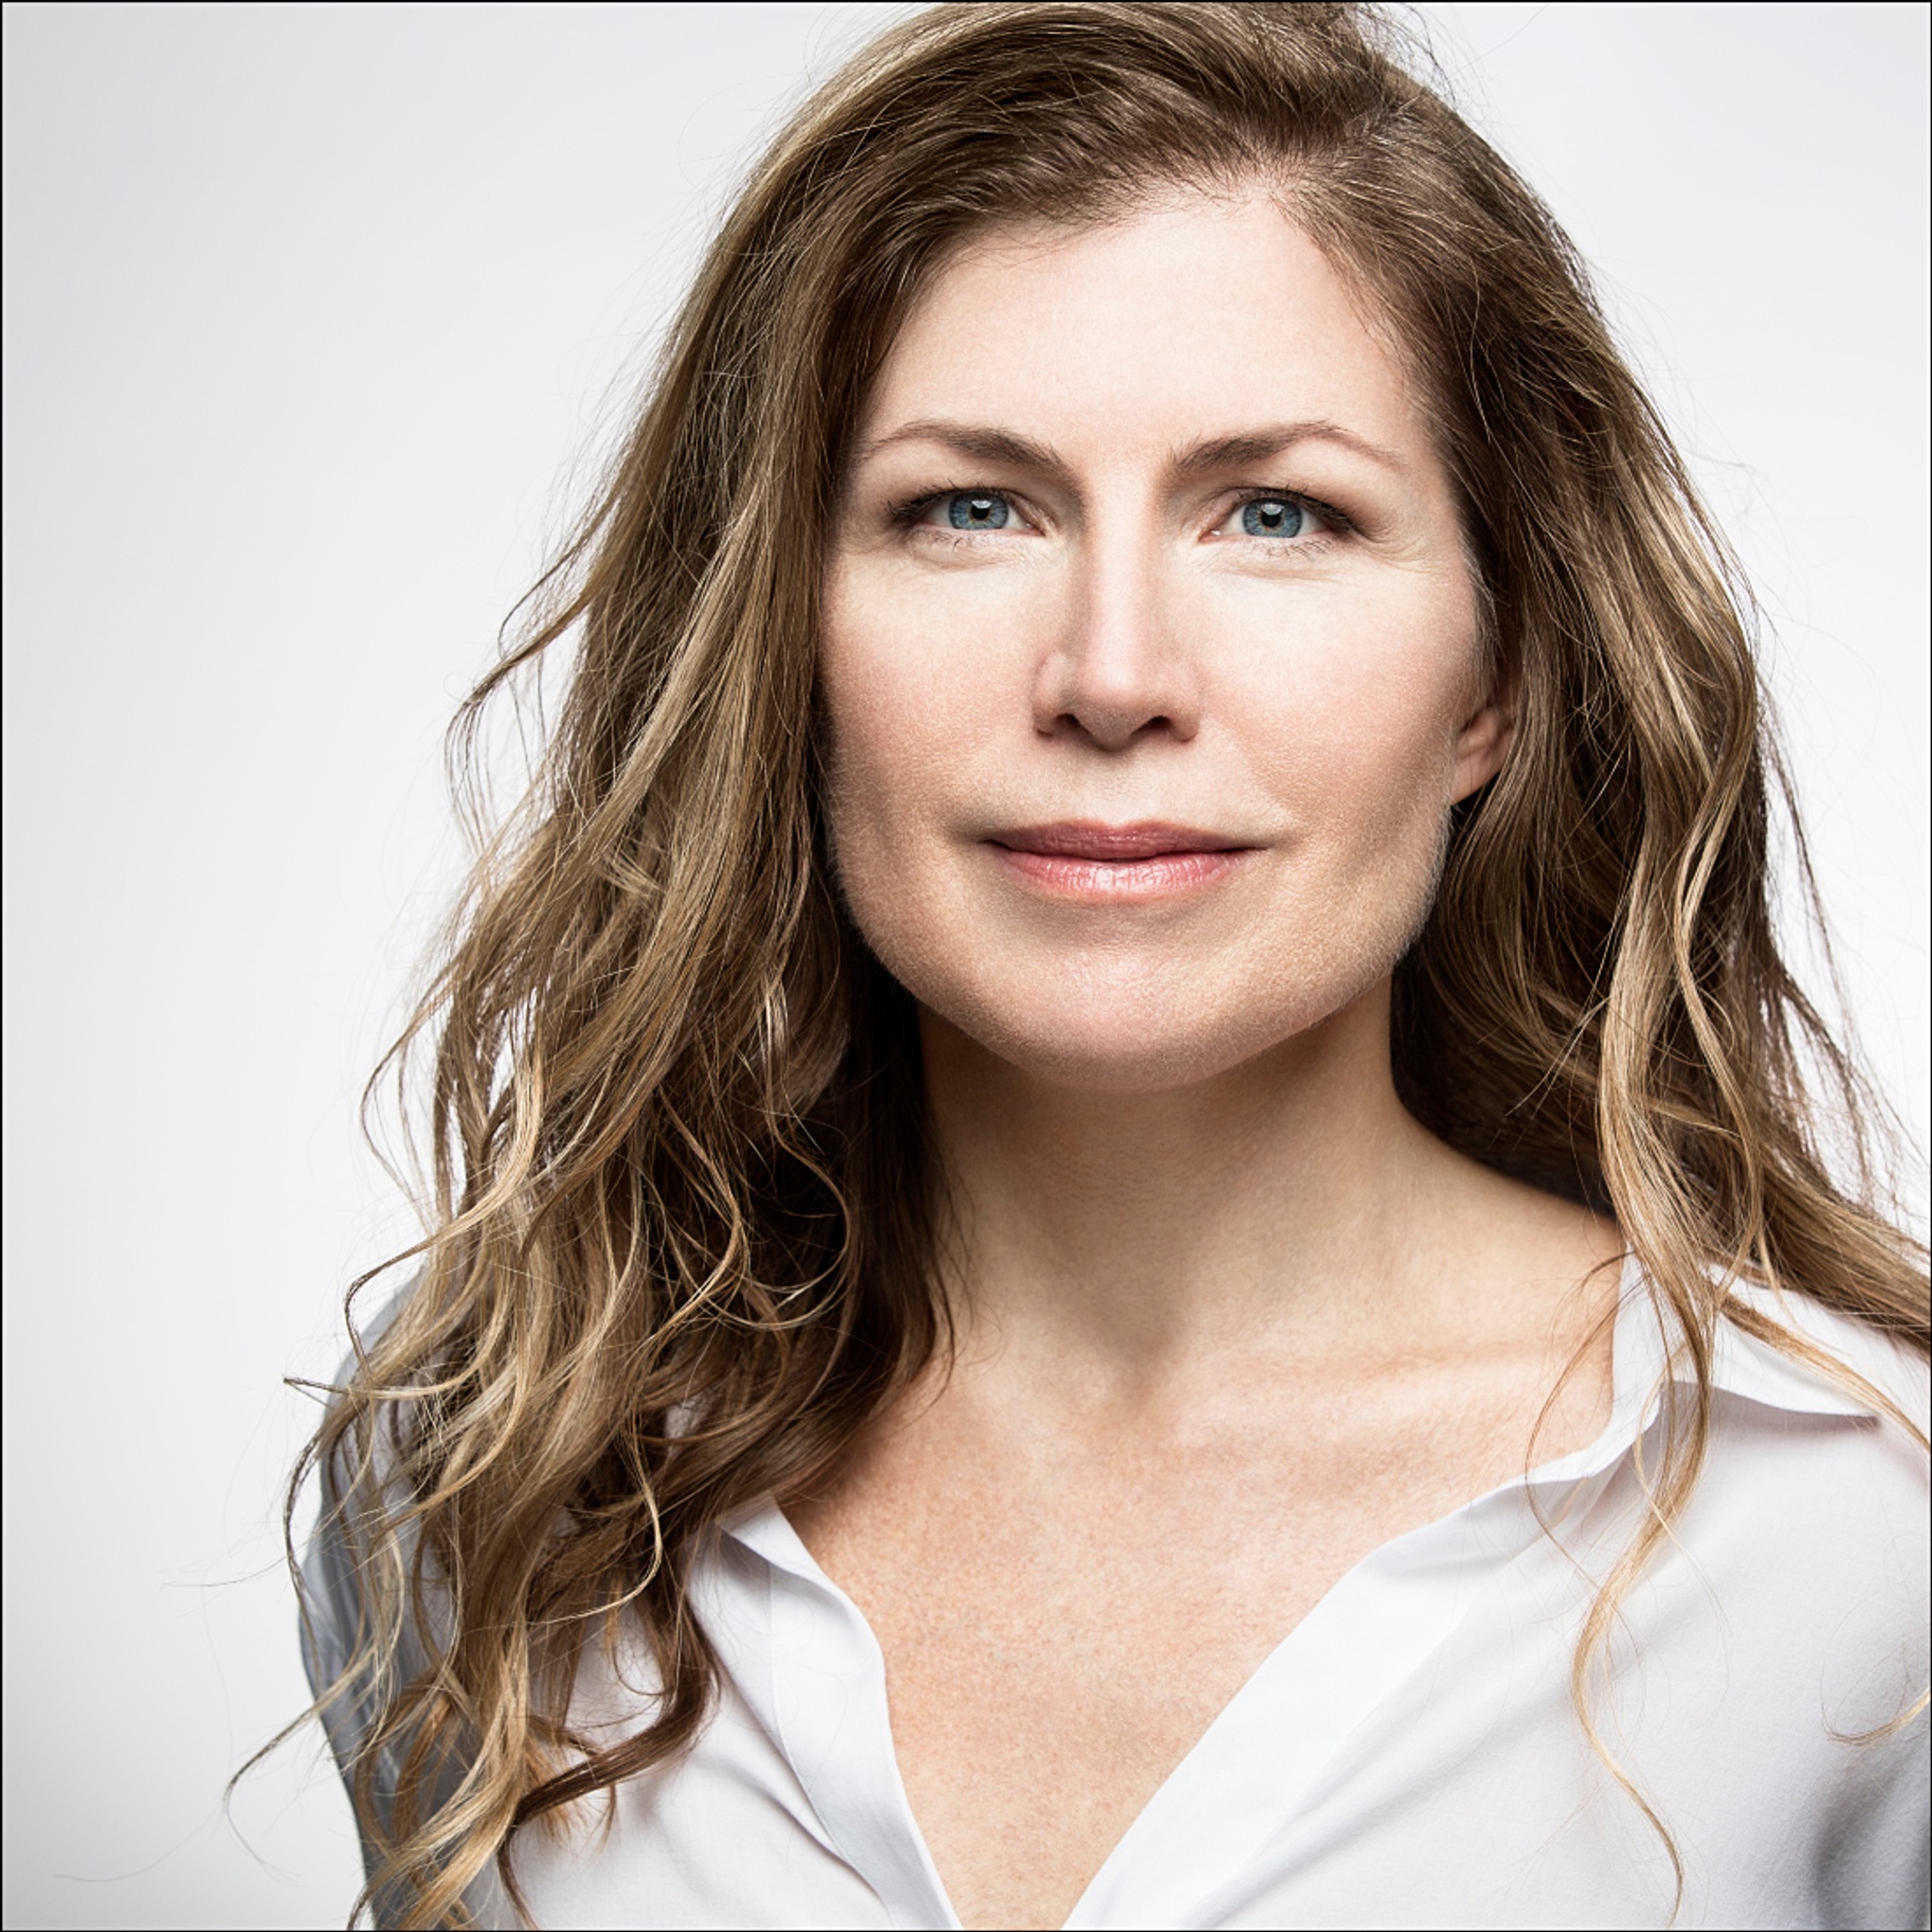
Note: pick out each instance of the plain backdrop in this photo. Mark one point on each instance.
(315, 315)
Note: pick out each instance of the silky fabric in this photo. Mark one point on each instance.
(1409, 1755)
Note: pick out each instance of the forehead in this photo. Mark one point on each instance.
(1192, 316)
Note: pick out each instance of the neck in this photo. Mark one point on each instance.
(1281, 1201)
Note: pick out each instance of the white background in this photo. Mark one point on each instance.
(312, 312)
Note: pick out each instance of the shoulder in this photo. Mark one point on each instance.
(356, 1476)
(1814, 1483)
(1787, 1350)
(1795, 1572)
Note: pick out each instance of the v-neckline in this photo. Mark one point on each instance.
(818, 1683)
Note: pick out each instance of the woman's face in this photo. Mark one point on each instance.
(1150, 657)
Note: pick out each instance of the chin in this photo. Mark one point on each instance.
(1142, 1019)
(1091, 1042)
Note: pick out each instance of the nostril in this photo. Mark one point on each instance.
(1114, 732)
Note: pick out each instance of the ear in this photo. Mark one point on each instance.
(1482, 746)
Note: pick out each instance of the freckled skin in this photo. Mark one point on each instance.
(1229, 1319)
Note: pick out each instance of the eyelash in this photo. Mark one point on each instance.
(906, 515)
(908, 512)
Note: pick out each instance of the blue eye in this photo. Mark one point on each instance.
(1273, 516)
(978, 509)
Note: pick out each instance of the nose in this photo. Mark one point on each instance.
(1117, 672)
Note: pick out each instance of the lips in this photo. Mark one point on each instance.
(1087, 859)
(1090, 838)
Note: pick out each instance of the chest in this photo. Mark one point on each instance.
(1063, 1617)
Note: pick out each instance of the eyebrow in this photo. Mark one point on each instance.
(983, 443)
(972, 440)
(1260, 445)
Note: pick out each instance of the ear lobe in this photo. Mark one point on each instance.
(1482, 746)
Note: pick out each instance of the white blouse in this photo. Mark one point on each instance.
(1409, 1755)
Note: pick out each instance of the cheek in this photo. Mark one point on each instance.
(1354, 729)
(896, 704)
(916, 690)
(1354, 733)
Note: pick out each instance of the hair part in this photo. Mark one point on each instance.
(680, 1243)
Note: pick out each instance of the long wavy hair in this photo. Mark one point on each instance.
(680, 1228)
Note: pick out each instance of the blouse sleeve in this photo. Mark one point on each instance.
(335, 1616)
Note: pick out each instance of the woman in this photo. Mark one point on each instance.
(1128, 1222)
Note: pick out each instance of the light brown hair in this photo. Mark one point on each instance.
(681, 1223)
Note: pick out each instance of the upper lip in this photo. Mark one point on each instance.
(1092, 838)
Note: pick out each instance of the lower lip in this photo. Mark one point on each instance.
(1118, 881)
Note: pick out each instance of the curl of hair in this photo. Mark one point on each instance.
(680, 1244)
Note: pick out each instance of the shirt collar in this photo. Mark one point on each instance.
(1648, 1349)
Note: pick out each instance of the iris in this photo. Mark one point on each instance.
(1273, 516)
(974, 510)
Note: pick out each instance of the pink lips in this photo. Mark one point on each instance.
(1085, 860)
